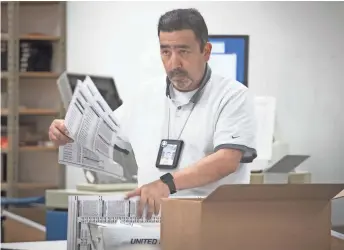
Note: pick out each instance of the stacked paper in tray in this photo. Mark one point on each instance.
(95, 131)
(93, 223)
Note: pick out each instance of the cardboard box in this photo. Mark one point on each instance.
(340, 195)
(15, 231)
(269, 217)
(337, 242)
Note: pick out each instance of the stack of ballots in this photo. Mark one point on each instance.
(110, 222)
(97, 222)
(95, 132)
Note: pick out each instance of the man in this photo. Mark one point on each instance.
(192, 131)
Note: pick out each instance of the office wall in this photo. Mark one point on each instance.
(296, 55)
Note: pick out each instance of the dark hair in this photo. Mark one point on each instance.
(181, 19)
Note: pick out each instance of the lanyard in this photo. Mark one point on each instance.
(186, 121)
(194, 99)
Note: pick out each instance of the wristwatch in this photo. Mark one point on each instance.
(168, 180)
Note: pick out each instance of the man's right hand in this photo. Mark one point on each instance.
(58, 133)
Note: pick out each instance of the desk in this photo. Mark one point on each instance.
(38, 245)
(336, 244)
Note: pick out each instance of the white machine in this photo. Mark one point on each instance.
(106, 86)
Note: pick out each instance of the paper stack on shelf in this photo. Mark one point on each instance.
(103, 222)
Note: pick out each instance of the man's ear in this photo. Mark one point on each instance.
(207, 51)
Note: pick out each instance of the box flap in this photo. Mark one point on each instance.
(340, 195)
(287, 164)
(246, 192)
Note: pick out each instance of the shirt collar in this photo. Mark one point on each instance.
(195, 97)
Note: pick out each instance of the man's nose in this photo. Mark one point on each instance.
(175, 60)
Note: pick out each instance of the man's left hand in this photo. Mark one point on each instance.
(151, 195)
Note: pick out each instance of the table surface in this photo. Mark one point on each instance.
(36, 245)
(62, 245)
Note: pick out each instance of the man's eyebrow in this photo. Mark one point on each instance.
(178, 46)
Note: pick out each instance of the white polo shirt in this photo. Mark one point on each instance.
(222, 117)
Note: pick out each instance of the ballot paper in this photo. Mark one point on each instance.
(89, 122)
(73, 154)
(95, 131)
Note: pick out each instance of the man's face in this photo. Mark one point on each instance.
(183, 59)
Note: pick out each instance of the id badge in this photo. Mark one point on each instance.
(169, 154)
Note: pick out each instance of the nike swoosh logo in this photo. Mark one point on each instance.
(234, 137)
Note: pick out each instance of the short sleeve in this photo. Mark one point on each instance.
(235, 126)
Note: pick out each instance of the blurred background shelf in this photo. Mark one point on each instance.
(5, 75)
(29, 111)
(32, 149)
(39, 74)
(30, 186)
(33, 55)
(35, 37)
(32, 2)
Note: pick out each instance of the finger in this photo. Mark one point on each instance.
(63, 134)
(53, 138)
(150, 208)
(61, 138)
(135, 192)
(143, 202)
(50, 135)
(61, 126)
(157, 206)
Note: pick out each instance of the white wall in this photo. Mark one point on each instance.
(296, 55)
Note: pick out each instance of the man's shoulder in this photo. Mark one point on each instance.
(228, 87)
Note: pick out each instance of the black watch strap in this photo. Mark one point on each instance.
(168, 180)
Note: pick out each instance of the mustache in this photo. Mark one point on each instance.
(177, 72)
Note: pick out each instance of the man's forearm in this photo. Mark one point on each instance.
(209, 169)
